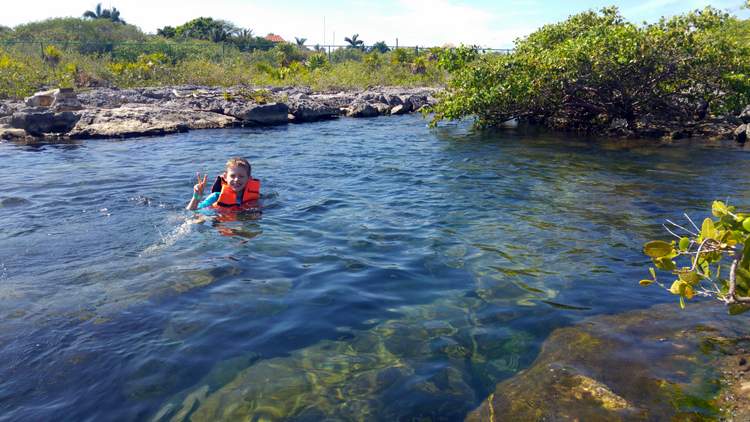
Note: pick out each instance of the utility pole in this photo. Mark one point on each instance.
(324, 30)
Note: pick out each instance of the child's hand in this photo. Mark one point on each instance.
(198, 188)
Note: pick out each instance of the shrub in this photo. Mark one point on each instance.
(316, 61)
(52, 55)
(19, 78)
(595, 68)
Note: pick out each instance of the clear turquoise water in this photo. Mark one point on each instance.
(397, 272)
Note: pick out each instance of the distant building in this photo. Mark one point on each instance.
(274, 38)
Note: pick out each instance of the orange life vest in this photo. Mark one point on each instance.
(228, 198)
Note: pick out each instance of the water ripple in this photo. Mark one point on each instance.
(397, 272)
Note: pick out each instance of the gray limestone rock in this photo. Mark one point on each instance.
(40, 121)
(740, 134)
(259, 114)
(142, 120)
(361, 109)
(305, 110)
(745, 115)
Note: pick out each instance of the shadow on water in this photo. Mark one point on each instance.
(396, 273)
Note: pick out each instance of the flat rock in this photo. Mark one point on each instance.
(40, 99)
(13, 134)
(142, 120)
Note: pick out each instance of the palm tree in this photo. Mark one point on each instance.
(354, 42)
(244, 33)
(99, 13)
(300, 41)
(380, 46)
(95, 14)
(243, 39)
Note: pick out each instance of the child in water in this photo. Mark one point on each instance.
(235, 189)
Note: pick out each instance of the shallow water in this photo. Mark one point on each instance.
(397, 271)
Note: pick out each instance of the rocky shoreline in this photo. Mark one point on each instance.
(118, 113)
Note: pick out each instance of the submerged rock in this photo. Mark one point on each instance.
(653, 364)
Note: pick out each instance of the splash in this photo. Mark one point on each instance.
(172, 237)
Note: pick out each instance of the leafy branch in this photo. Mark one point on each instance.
(718, 242)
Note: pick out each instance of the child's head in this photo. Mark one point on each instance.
(237, 173)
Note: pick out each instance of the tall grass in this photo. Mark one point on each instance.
(26, 68)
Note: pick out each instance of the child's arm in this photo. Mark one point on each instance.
(197, 191)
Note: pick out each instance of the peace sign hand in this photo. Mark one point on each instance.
(198, 188)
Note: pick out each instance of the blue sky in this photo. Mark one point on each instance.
(414, 22)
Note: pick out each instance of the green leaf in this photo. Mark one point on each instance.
(743, 278)
(690, 277)
(708, 230)
(719, 209)
(645, 282)
(746, 224)
(688, 292)
(658, 249)
(745, 263)
(682, 302)
(653, 272)
(665, 264)
(676, 287)
(684, 244)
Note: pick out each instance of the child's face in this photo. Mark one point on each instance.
(237, 177)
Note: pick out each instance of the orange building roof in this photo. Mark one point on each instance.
(274, 38)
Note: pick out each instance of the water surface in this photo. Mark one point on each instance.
(397, 272)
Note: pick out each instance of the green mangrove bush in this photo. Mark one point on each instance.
(595, 68)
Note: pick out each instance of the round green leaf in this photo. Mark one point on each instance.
(746, 224)
(658, 248)
(684, 243)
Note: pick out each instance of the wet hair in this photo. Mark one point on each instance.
(239, 162)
